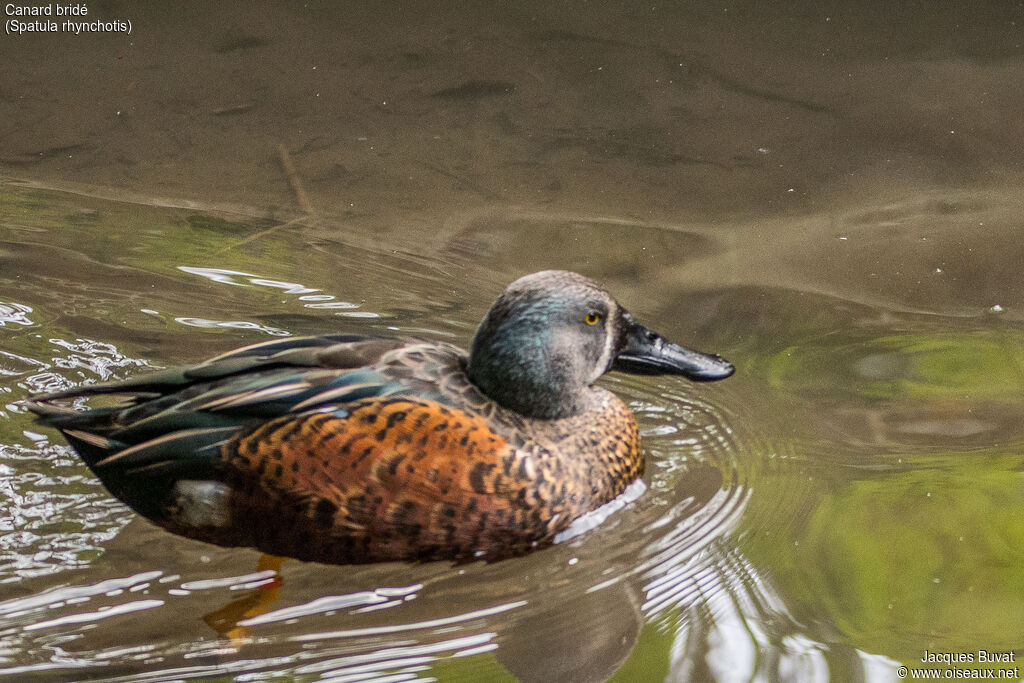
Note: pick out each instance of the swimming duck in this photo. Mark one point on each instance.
(353, 449)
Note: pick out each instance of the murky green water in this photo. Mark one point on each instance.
(851, 498)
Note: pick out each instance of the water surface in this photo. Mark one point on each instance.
(835, 508)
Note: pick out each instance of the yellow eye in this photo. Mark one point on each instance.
(592, 318)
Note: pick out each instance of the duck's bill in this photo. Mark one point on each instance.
(644, 352)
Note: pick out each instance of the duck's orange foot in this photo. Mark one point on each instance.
(225, 620)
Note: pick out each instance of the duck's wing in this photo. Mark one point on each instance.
(172, 422)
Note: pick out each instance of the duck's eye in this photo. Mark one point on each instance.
(592, 318)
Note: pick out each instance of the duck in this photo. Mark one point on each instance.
(352, 449)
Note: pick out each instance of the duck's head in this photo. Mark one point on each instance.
(552, 334)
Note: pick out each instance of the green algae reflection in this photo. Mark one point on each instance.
(916, 540)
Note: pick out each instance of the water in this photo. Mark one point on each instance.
(826, 195)
(89, 585)
(834, 508)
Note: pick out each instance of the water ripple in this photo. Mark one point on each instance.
(308, 295)
(330, 603)
(101, 613)
(395, 660)
(42, 485)
(15, 314)
(415, 626)
(93, 358)
(233, 325)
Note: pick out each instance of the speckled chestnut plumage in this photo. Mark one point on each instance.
(349, 449)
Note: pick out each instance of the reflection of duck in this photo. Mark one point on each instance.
(357, 449)
(224, 620)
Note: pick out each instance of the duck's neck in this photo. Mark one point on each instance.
(520, 376)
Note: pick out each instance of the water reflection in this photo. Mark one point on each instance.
(306, 294)
(14, 314)
(233, 324)
(41, 486)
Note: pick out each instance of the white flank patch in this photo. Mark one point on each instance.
(202, 503)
